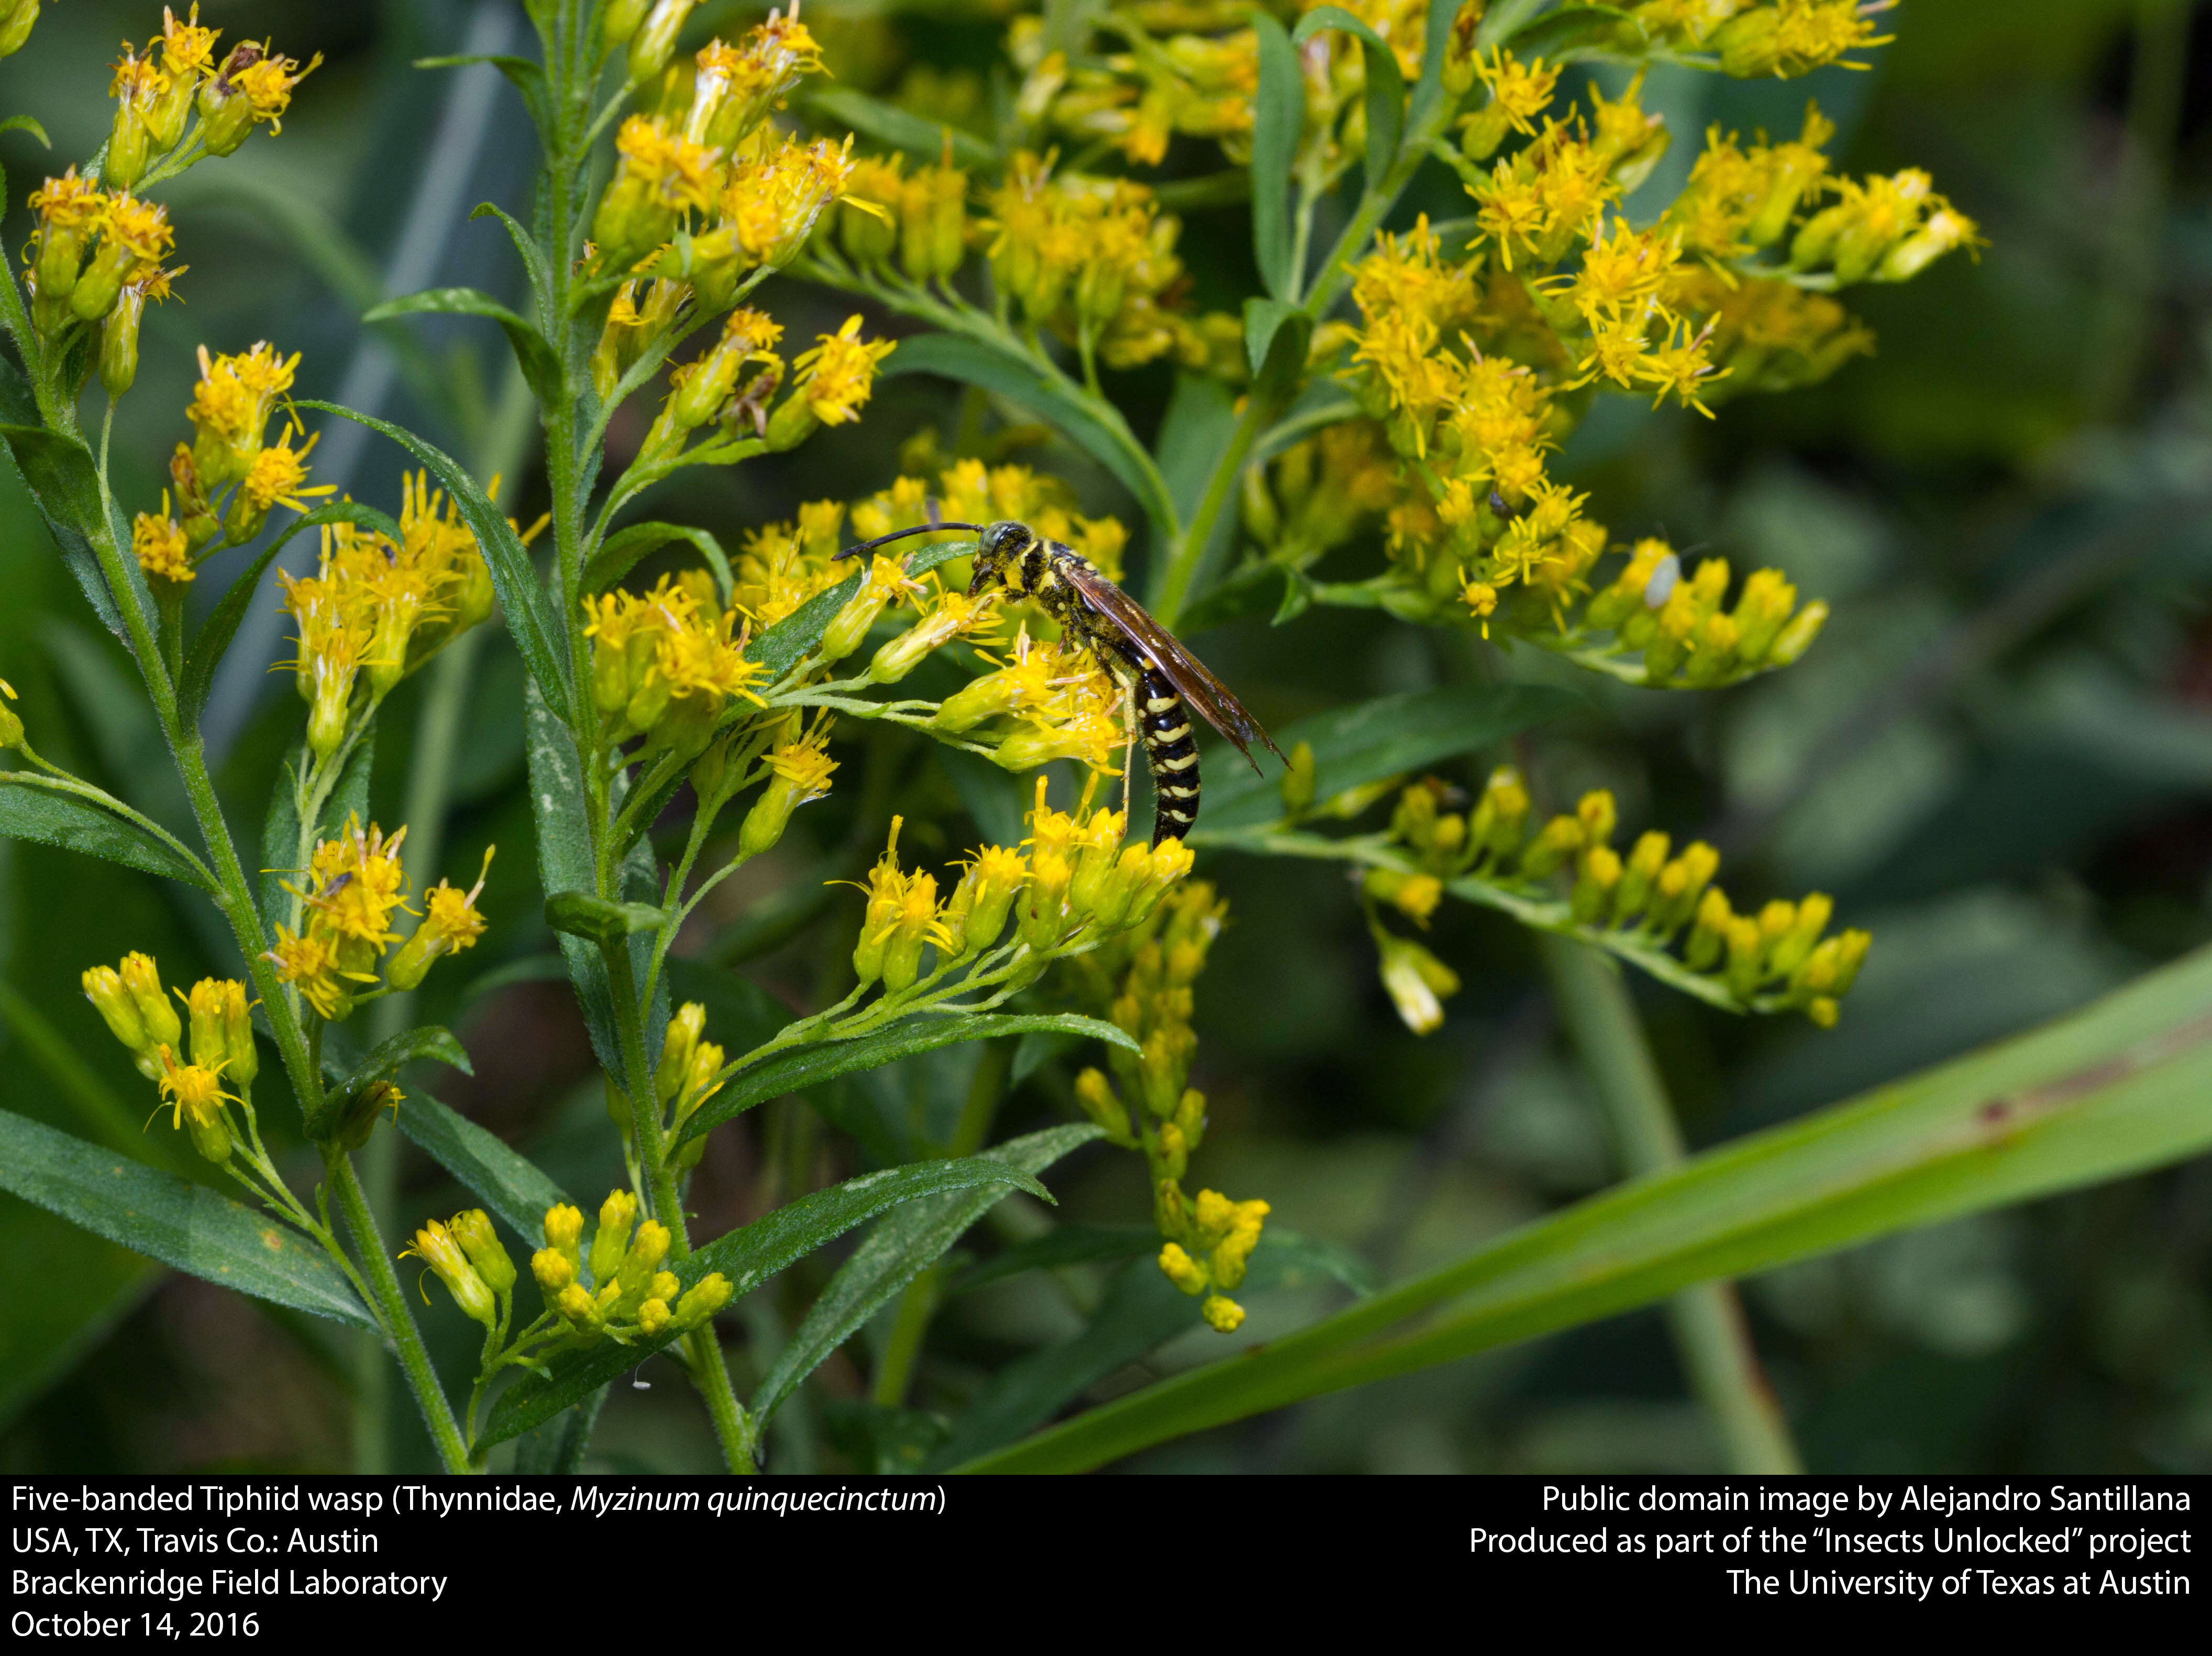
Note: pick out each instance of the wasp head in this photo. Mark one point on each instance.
(1003, 543)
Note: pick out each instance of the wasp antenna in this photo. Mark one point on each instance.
(901, 534)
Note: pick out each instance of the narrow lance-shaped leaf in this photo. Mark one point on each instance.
(1386, 85)
(539, 365)
(748, 1258)
(619, 554)
(781, 646)
(2111, 1090)
(171, 1219)
(1278, 116)
(41, 809)
(807, 1066)
(1095, 427)
(897, 1252)
(511, 1185)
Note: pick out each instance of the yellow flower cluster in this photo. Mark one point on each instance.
(376, 609)
(466, 1254)
(1190, 84)
(1078, 885)
(1061, 704)
(665, 663)
(1757, 37)
(705, 169)
(1091, 260)
(96, 256)
(923, 217)
(1319, 493)
(618, 1289)
(157, 91)
(229, 477)
(1465, 361)
(1143, 981)
(781, 565)
(344, 912)
(688, 1073)
(1777, 958)
(132, 1002)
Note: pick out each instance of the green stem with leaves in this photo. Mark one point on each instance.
(1707, 1321)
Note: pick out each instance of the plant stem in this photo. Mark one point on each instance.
(1174, 586)
(710, 1373)
(1707, 1321)
(399, 1321)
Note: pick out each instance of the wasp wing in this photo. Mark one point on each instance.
(1213, 699)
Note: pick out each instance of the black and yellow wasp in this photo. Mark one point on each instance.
(1160, 679)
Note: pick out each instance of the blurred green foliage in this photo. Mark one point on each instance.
(1999, 759)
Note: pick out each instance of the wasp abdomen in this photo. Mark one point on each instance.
(1171, 750)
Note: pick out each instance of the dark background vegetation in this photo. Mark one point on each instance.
(1999, 759)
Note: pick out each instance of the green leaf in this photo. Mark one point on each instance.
(1263, 319)
(1431, 85)
(800, 1068)
(897, 1252)
(1096, 428)
(1386, 85)
(40, 808)
(559, 1445)
(2118, 1087)
(171, 1219)
(750, 1256)
(1370, 740)
(530, 617)
(1068, 1245)
(579, 914)
(280, 833)
(510, 1186)
(527, 76)
(533, 259)
(1570, 32)
(1142, 1310)
(783, 645)
(61, 477)
(564, 863)
(28, 124)
(619, 554)
(1279, 118)
(539, 365)
(388, 1058)
(222, 625)
(922, 138)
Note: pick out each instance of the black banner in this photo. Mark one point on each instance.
(152, 1560)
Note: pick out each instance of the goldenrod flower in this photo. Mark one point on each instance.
(159, 545)
(835, 381)
(196, 1098)
(436, 1246)
(254, 86)
(450, 923)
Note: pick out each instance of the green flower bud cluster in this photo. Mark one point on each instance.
(1143, 981)
(1776, 959)
(1688, 639)
(618, 1289)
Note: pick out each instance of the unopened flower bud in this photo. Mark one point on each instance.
(155, 1014)
(610, 1241)
(119, 341)
(473, 1231)
(104, 987)
(564, 1231)
(1417, 981)
(654, 41)
(684, 1029)
(703, 1299)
